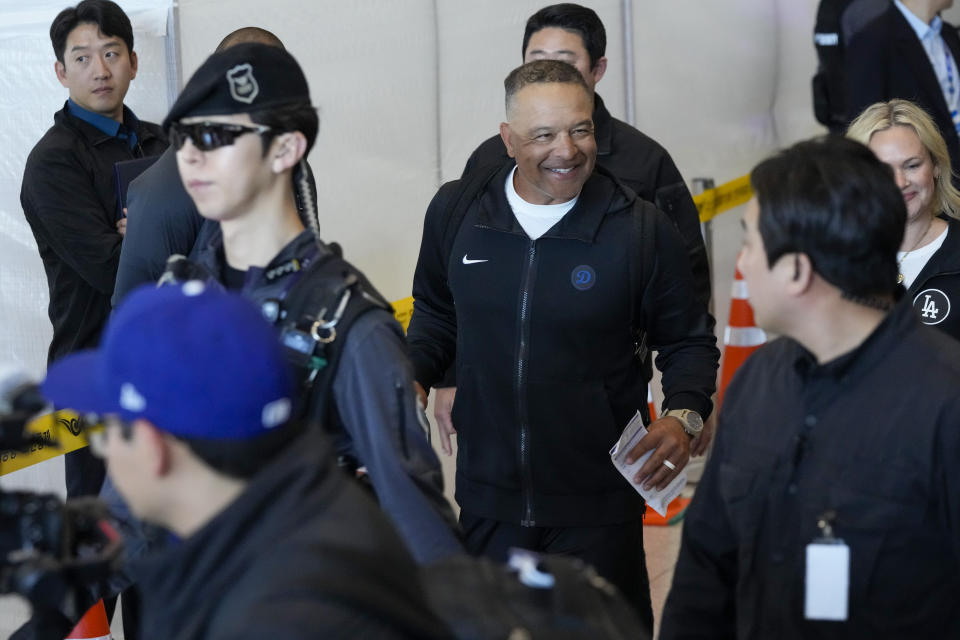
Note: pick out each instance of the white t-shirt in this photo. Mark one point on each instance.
(536, 219)
(916, 260)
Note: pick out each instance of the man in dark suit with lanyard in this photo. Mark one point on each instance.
(908, 52)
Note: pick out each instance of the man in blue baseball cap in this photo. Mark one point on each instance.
(197, 396)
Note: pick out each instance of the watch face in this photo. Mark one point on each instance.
(694, 422)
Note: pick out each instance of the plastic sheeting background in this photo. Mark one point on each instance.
(408, 88)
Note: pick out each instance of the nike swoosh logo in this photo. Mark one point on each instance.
(467, 260)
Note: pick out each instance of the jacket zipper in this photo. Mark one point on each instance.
(526, 474)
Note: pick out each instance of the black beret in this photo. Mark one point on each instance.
(244, 78)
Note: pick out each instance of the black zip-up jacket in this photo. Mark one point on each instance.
(301, 553)
(543, 333)
(936, 290)
(69, 199)
(871, 436)
(641, 163)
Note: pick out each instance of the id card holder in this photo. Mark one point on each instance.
(827, 577)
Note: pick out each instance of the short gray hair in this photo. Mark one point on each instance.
(540, 72)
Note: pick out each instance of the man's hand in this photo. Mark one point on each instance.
(122, 225)
(700, 444)
(669, 442)
(442, 410)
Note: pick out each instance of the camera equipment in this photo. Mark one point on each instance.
(20, 400)
(50, 551)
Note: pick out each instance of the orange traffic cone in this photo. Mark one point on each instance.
(93, 625)
(650, 405)
(741, 337)
(675, 512)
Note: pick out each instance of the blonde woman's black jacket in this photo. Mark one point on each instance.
(69, 198)
(544, 336)
(936, 291)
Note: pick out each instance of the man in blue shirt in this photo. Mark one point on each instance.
(68, 193)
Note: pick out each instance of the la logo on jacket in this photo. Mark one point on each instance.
(933, 305)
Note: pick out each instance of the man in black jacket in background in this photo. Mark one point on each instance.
(552, 271)
(69, 193)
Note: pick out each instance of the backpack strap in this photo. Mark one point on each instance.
(318, 312)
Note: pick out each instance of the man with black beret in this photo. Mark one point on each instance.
(242, 125)
(161, 218)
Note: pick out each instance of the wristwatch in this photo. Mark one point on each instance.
(691, 420)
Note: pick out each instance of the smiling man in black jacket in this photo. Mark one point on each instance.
(552, 272)
(575, 34)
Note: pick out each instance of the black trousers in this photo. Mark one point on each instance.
(615, 551)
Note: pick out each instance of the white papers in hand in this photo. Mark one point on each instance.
(631, 436)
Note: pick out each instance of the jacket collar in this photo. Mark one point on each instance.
(278, 499)
(95, 136)
(601, 194)
(880, 343)
(602, 126)
(211, 256)
(945, 260)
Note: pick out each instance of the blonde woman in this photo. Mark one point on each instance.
(903, 135)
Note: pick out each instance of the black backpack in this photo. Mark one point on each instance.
(314, 319)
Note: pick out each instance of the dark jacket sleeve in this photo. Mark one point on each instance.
(432, 333)
(865, 65)
(161, 221)
(61, 204)
(673, 198)
(701, 599)
(677, 322)
(373, 389)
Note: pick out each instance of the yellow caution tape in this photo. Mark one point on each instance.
(402, 310)
(61, 433)
(713, 202)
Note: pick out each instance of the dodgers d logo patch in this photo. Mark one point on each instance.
(583, 277)
(933, 305)
(243, 86)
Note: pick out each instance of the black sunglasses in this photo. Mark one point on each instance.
(207, 136)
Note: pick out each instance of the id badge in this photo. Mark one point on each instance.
(827, 584)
